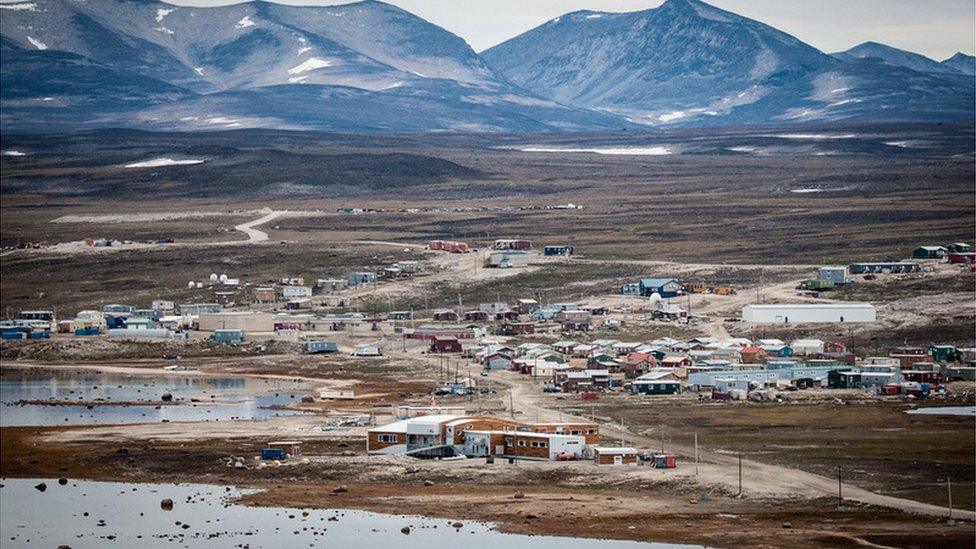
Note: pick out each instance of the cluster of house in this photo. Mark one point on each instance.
(459, 209)
(957, 252)
(440, 435)
(115, 243)
(665, 365)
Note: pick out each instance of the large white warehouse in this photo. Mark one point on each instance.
(798, 313)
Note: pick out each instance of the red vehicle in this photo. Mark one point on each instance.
(590, 395)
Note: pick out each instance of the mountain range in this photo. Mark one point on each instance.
(373, 67)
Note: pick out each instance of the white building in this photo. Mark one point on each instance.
(367, 350)
(799, 313)
(292, 292)
(807, 346)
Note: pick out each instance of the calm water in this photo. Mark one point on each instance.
(132, 514)
(945, 411)
(220, 398)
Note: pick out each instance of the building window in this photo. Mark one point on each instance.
(591, 431)
(387, 438)
(521, 443)
(575, 432)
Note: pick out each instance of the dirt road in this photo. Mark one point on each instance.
(757, 478)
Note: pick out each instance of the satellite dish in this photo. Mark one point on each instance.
(190, 284)
(223, 278)
(213, 277)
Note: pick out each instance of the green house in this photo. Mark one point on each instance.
(943, 353)
(929, 252)
(655, 387)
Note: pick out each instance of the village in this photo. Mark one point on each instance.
(575, 350)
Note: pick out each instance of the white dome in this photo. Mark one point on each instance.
(190, 284)
(655, 298)
(213, 277)
(223, 278)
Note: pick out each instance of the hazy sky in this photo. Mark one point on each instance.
(937, 28)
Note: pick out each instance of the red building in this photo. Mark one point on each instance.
(446, 316)
(475, 316)
(518, 328)
(512, 244)
(962, 257)
(445, 344)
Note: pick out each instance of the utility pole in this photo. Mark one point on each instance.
(696, 454)
(511, 406)
(662, 438)
(740, 474)
(840, 491)
(951, 521)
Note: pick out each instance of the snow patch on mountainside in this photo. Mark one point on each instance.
(310, 64)
(37, 43)
(631, 151)
(245, 22)
(163, 30)
(161, 162)
(30, 6)
(161, 13)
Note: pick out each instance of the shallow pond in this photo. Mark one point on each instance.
(124, 398)
(129, 515)
(945, 411)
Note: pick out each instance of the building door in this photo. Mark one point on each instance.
(499, 449)
(618, 460)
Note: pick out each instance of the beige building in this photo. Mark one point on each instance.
(246, 321)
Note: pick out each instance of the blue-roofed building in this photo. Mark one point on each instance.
(665, 287)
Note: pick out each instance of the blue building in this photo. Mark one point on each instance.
(228, 336)
(319, 346)
(665, 287)
(557, 250)
(361, 278)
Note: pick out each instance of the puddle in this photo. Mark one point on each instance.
(219, 398)
(133, 518)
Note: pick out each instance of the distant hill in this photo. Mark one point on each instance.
(355, 67)
(689, 62)
(69, 65)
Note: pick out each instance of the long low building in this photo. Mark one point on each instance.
(801, 313)
(246, 321)
(817, 374)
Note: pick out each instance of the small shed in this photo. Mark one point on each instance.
(605, 455)
(366, 350)
(291, 447)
